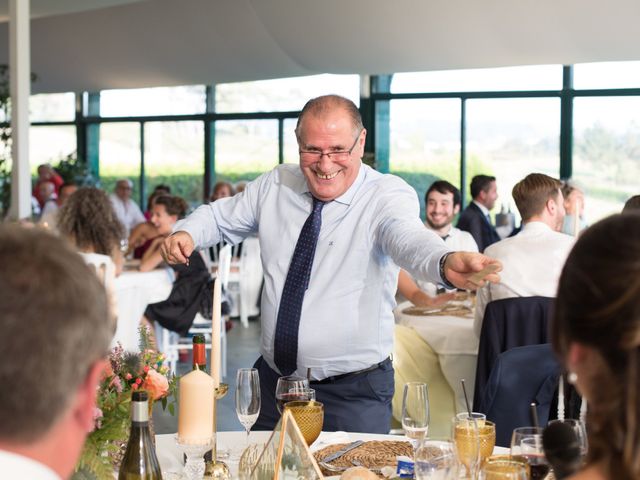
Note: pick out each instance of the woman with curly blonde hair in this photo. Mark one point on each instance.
(596, 332)
(87, 219)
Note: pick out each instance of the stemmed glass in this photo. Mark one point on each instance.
(579, 430)
(527, 443)
(247, 397)
(436, 459)
(466, 436)
(291, 388)
(415, 410)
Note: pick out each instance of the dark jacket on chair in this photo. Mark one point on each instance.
(520, 376)
(509, 323)
(472, 220)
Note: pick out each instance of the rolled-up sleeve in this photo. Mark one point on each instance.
(403, 236)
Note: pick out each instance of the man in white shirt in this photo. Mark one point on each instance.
(127, 211)
(341, 259)
(533, 259)
(50, 210)
(53, 344)
(442, 204)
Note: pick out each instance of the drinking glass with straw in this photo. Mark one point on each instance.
(466, 437)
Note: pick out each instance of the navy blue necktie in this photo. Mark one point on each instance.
(295, 285)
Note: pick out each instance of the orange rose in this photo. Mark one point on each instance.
(156, 384)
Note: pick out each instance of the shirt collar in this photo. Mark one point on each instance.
(347, 197)
(484, 209)
(449, 233)
(536, 227)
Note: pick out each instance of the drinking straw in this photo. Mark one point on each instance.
(466, 398)
(309, 375)
(534, 415)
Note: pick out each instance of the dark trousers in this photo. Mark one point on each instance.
(355, 403)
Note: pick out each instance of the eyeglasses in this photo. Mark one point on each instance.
(316, 155)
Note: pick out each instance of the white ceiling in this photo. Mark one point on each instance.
(99, 44)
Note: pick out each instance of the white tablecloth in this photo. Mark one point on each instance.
(455, 343)
(134, 291)
(170, 457)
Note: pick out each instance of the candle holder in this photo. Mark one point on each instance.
(215, 469)
(194, 468)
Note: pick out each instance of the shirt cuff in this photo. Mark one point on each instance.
(443, 279)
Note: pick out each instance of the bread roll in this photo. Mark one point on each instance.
(358, 473)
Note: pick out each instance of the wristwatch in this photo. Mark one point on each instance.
(447, 284)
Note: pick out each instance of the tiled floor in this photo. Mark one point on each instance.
(243, 350)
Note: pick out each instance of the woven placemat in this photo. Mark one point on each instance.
(373, 454)
(447, 310)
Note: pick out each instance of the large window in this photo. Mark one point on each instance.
(538, 77)
(50, 144)
(606, 152)
(606, 75)
(153, 101)
(174, 156)
(53, 107)
(120, 156)
(284, 94)
(425, 142)
(245, 148)
(510, 138)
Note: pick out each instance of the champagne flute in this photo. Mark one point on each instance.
(247, 397)
(527, 443)
(291, 388)
(415, 410)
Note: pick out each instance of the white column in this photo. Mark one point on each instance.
(20, 72)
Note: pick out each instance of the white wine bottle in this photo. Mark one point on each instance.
(140, 461)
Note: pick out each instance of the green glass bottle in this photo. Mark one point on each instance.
(140, 461)
(199, 353)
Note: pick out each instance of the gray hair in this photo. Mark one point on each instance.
(55, 326)
(321, 105)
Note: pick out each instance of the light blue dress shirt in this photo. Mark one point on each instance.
(367, 233)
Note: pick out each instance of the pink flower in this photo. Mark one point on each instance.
(146, 369)
(97, 416)
(138, 381)
(134, 386)
(156, 384)
(128, 376)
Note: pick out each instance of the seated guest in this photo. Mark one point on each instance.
(46, 173)
(143, 234)
(50, 211)
(55, 336)
(192, 290)
(442, 204)
(158, 190)
(47, 194)
(531, 260)
(596, 332)
(87, 219)
(475, 218)
(632, 205)
(222, 190)
(127, 211)
(573, 206)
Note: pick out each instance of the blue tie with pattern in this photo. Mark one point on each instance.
(295, 285)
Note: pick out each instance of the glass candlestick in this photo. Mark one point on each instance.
(194, 467)
(215, 469)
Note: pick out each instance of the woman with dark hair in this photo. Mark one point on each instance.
(192, 290)
(596, 332)
(88, 220)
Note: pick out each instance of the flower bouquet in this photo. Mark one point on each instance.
(125, 372)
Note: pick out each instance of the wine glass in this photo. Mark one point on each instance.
(247, 397)
(580, 432)
(415, 410)
(309, 415)
(466, 436)
(436, 458)
(527, 443)
(291, 388)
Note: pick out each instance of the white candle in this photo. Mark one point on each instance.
(215, 333)
(561, 399)
(195, 415)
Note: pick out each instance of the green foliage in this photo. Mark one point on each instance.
(5, 142)
(73, 169)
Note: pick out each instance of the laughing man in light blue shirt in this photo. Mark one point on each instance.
(370, 228)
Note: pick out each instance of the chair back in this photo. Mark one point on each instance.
(103, 266)
(509, 323)
(224, 265)
(520, 376)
